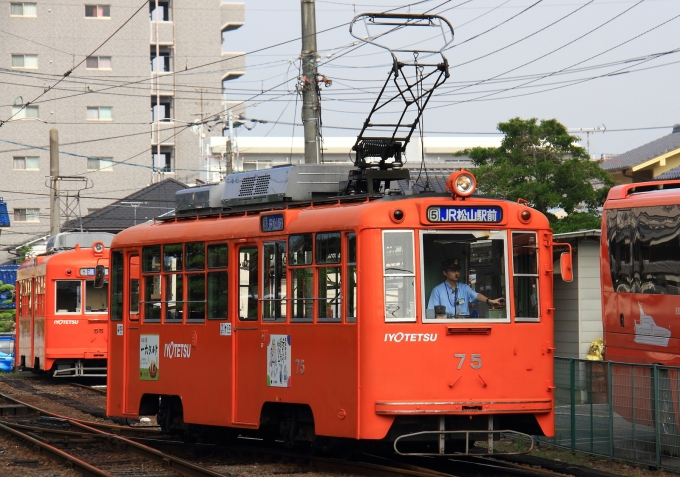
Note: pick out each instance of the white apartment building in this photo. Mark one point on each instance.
(124, 112)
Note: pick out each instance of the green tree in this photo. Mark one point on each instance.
(7, 316)
(542, 163)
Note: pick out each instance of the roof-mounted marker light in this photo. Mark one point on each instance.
(462, 183)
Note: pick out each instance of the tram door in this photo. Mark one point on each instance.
(249, 355)
(131, 334)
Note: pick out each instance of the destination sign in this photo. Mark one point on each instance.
(463, 213)
(272, 223)
(89, 272)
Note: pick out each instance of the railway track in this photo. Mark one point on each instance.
(96, 449)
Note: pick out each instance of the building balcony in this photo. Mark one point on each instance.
(232, 15)
(234, 65)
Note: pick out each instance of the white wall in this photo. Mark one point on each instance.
(589, 295)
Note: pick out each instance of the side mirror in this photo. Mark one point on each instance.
(565, 267)
(99, 276)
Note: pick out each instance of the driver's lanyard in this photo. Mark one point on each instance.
(455, 299)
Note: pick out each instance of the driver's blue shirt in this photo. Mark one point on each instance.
(456, 301)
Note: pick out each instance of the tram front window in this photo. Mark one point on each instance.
(464, 275)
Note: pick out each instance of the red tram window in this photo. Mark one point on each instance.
(247, 284)
(217, 286)
(96, 299)
(133, 287)
(274, 281)
(69, 296)
(351, 279)
(151, 281)
(329, 293)
(302, 277)
(525, 276)
(116, 312)
(399, 275)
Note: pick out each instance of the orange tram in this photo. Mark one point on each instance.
(310, 320)
(62, 317)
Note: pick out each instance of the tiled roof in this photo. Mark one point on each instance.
(156, 200)
(643, 153)
(668, 175)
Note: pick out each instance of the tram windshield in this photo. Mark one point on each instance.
(460, 271)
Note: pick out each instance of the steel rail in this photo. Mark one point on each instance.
(112, 428)
(100, 391)
(57, 454)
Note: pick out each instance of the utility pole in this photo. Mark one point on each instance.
(54, 180)
(310, 97)
(232, 143)
(158, 95)
(601, 129)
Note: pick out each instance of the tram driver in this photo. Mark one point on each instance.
(451, 298)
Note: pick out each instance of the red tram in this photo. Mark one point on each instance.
(309, 319)
(62, 318)
(640, 273)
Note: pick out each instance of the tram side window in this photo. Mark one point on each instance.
(174, 297)
(217, 295)
(399, 275)
(644, 248)
(217, 255)
(172, 258)
(525, 276)
(151, 279)
(274, 282)
(247, 281)
(300, 249)
(68, 296)
(151, 259)
(217, 281)
(196, 297)
(134, 286)
(96, 299)
(328, 248)
(116, 285)
(195, 256)
(40, 297)
(351, 280)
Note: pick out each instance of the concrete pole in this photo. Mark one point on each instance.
(158, 94)
(232, 142)
(54, 190)
(310, 97)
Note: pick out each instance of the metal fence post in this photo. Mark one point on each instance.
(572, 397)
(610, 400)
(589, 378)
(657, 416)
(632, 409)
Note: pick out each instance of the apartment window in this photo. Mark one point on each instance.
(21, 112)
(98, 63)
(28, 62)
(97, 11)
(163, 14)
(162, 62)
(26, 215)
(26, 164)
(99, 164)
(99, 113)
(163, 162)
(161, 111)
(24, 9)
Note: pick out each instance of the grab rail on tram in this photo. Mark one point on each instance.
(442, 440)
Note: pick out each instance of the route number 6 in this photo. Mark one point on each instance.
(475, 360)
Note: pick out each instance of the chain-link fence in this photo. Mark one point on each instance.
(624, 411)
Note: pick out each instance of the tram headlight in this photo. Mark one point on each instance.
(463, 184)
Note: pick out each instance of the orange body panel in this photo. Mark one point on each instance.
(356, 377)
(48, 335)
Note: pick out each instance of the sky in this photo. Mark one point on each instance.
(586, 63)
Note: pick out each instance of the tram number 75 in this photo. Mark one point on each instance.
(475, 360)
(299, 366)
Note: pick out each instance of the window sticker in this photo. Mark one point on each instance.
(148, 357)
(278, 361)
(225, 329)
